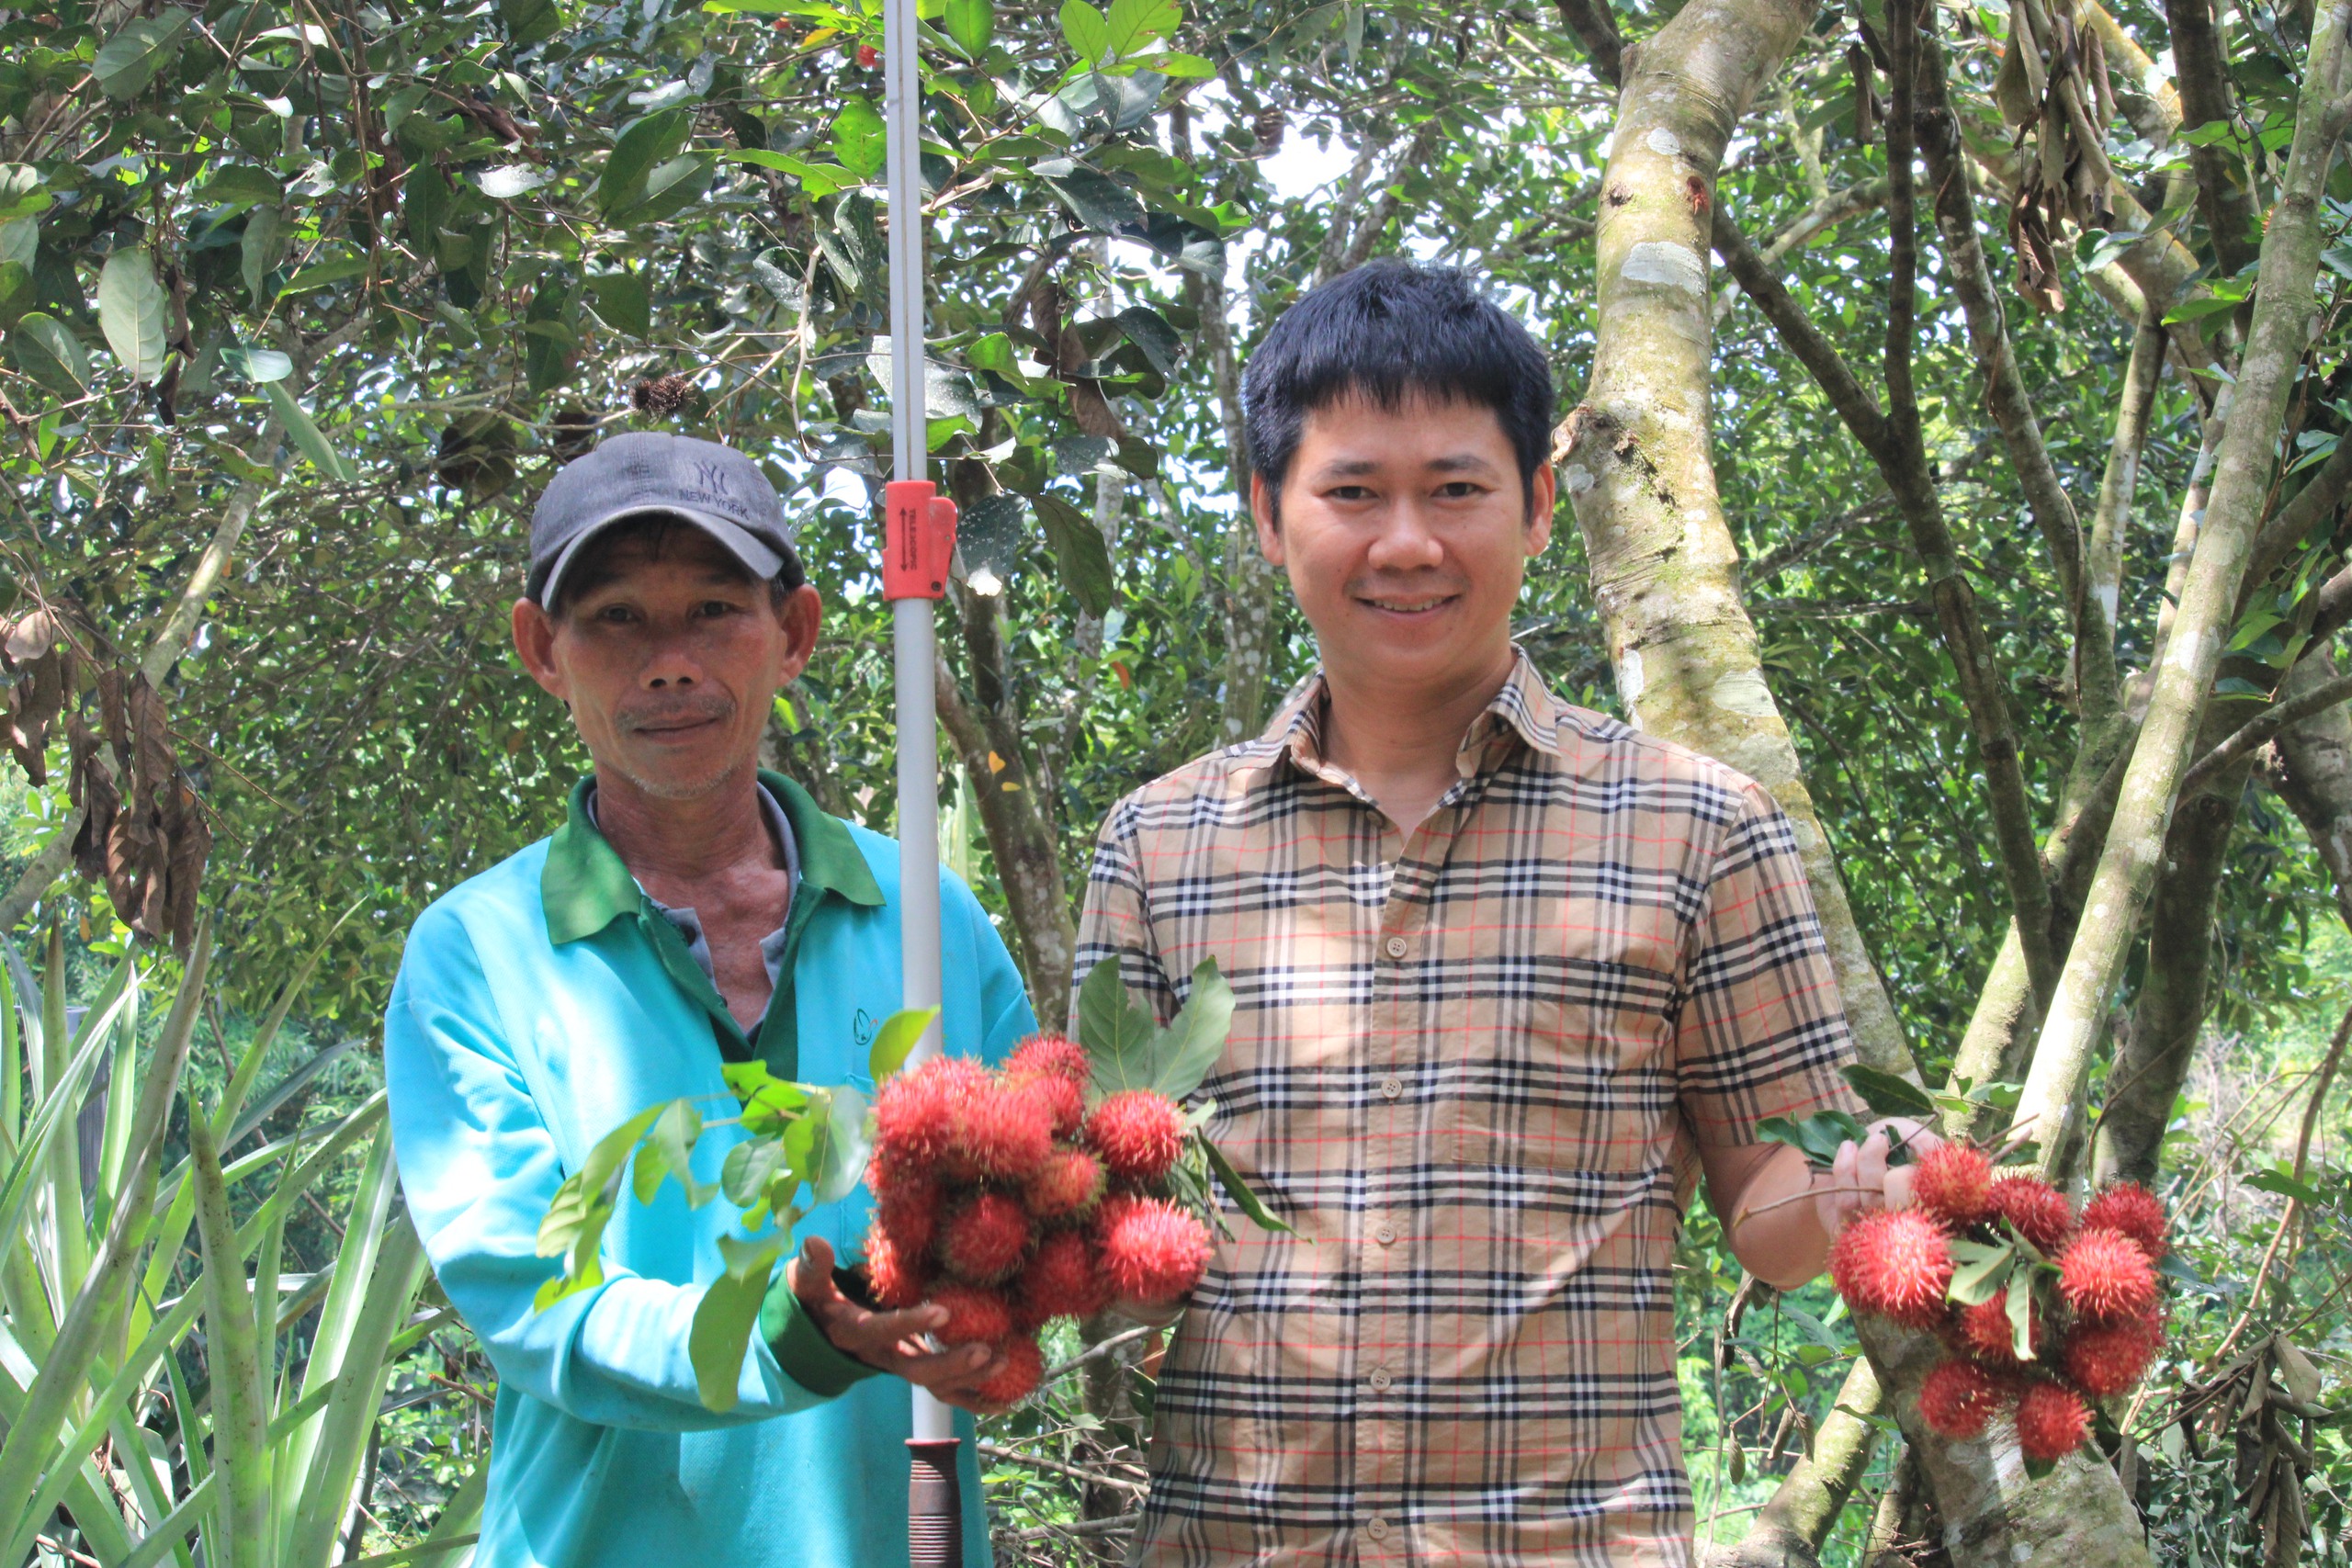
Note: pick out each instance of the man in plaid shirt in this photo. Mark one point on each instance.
(1509, 977)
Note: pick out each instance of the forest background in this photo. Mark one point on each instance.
(1956, 394)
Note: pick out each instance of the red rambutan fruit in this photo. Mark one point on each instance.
(2104, 1275)
(1060, 1279)
(1051, 1055)
(1152, 1250)
(1985, 1333)
(1894, 1262)
(895, 1278)
(2104, 1359)
(1001, 1133)
(1067, 1188)
(1025, 1364)
(1958, 1398)
(982, 1241)
(2037, 1209)
(906, 1203)
(1064, 1102)
(1954, 1183)
(915, 1112)
(1138, 1133)
(973, 1315)
(2130, 1208)
(2052, 1422)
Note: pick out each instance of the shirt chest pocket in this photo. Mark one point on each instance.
(1567, 1062)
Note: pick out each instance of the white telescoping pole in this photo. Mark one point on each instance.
(913, 633)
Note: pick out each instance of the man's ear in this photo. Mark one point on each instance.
(800, 616)
(1539, 510)
(535, 646)
(1270, 528)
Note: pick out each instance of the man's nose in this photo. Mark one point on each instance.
(670, 667)
(1405, 540)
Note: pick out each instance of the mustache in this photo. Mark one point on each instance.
(675, 713)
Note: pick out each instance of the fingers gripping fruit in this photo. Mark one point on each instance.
(1984, 1256)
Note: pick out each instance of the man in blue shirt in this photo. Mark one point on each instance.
(692, 911)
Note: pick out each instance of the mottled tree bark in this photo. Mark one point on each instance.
(2314, 774)
(1637, 469)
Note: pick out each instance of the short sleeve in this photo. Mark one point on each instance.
(1761, 1031)
(1116, 921)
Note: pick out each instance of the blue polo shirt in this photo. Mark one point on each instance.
(542, 1004)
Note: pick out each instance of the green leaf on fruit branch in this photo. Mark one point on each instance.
(894, 1039)
(1888, 1094)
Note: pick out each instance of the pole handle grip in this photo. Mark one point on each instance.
(934, 1504)
(918, 540)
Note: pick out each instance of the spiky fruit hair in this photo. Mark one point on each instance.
(906, 1203)
(1051, 1055)
(1060, 1279)
(2037, 1209)
(915, 1112)
(1138, 1134)
(1897, 1263)
(2134, 1209)
(1002, 1131)
(1958, 1398)
(974, 1314)
(895, 1278)
(2052, 1422)
(2104, 1359)
(1025, 1364)
(982, 1240)
(1064, 1102)
(1954, 1183)
(1985, 1332)
(1151, 1250)
(2104, 1275)
(1068, 1188)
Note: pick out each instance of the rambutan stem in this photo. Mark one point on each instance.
(1809, 1193)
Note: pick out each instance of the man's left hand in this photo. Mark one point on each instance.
(892, 1341)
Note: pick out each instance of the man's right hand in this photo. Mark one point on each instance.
(890, 1340)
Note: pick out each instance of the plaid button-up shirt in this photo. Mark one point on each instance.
(1472, 1066)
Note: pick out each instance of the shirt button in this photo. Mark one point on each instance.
(1385, 1236)
(1379, 1379)
(1396, 947)
(1391, 1088)
(1376, 1528)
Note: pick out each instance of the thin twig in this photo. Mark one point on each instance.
(2261, 728)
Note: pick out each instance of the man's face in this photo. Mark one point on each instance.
(671, 662)
(1405, 538)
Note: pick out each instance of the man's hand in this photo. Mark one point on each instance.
(1860, 1178)
(894, 1341)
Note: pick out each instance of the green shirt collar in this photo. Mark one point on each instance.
(585, 886)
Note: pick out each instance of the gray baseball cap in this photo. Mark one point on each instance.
(643, 474)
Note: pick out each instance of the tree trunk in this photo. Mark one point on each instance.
(1637, 469)
(2314, 774)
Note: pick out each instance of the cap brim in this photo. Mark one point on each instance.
(758, 557)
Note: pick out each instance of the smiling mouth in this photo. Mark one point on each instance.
(1417, 605)
(670, 727)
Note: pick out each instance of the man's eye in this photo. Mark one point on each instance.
(616, 615)
(1349, 493)
(1461, 490)
(712, 609)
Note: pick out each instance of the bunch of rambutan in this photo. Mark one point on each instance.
(2093, 1303)
(1003, 1198)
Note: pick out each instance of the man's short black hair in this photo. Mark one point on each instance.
(1386, 332)
(593, 569)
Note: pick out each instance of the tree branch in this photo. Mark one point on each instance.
(1895, 447)
(2261, 729)
(1596, 27)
